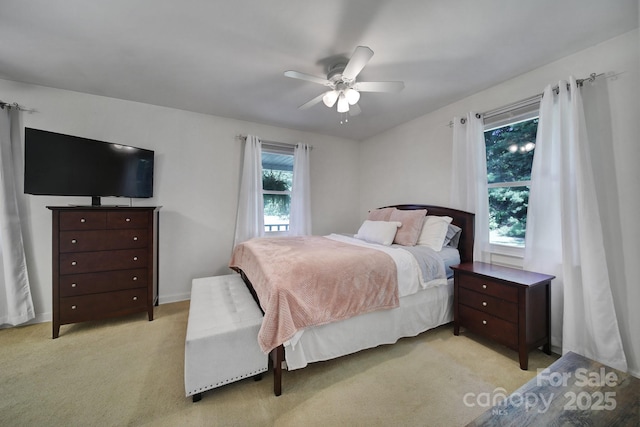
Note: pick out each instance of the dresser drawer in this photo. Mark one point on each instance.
(102, 240)
(490, 326)
(99, 306)
(495, 306)
(83, 220)
(127, 219)
(488, 286)
(88, 262)
(92, 283)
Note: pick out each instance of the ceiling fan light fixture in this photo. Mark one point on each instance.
(352, 95)
(343, 104)
(330, 97)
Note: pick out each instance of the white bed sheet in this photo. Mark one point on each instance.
(418, 312)
(409, 274)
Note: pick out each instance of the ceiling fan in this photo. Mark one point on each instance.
(344, 89)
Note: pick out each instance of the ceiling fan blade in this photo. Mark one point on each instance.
(379, 86)
(307, 77)
(354, 110)
(358, 60)
(311, 103)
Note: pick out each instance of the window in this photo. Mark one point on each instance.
(510, 146)
(277, 180)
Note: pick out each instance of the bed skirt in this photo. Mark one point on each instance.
(417, 313)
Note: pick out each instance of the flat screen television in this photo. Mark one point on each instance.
(65, 165)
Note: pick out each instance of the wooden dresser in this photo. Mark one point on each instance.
(104, 262)
(507, 305)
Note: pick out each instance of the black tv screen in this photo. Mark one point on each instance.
(65, 165)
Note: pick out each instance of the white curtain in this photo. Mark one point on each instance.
(564, 233)
(300, 215)
(16, 305)
(469, 177)
(250, 217)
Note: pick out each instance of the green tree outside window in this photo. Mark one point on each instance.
(510, 150)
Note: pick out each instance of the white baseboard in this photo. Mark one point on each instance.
(166, 299)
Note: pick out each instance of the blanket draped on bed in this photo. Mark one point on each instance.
(311, 280)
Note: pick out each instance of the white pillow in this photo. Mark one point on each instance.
(434, 232)
(381, 232)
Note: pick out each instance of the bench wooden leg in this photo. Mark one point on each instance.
(277, 357)
(196, 397)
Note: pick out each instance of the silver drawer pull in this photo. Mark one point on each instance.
(83, 220)
(73, 263)
(128, 219)
(73, 285)
(74, 241)
(135, 238)
(484, 322)
(135, 258)
(73, 307)
(135, 278)
(484, 303)
(135, 298)
(484, 286)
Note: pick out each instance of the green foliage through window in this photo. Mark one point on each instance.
(510, 151)
(276, 205)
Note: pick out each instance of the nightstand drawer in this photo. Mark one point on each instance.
(495, 306)
(489, 287)
(490, 326)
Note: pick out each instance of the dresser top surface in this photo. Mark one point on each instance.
(507, 274)
(102, 207)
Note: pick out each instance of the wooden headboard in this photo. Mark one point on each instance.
(462, 219)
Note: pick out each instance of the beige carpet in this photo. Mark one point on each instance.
(129, 371)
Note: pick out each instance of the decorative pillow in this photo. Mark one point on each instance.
(382, 214)
(381, 232)
(434, 232)
(412, 222)
(453, 236)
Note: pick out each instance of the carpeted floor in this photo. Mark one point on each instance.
(129, 372)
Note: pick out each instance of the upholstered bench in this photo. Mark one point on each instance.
(222, 335)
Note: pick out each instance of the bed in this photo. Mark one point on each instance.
(410, 298)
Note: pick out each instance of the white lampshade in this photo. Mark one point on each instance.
(343, 104)
(352, 95)
(330, 98)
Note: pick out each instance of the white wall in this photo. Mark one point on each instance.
(197, 175)
(410, 163)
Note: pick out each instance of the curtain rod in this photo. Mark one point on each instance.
(273, 143)
(528, 101)
(15, 105)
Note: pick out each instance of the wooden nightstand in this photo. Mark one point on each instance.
(507, 305)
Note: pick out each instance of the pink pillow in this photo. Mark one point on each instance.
(412, 222)
(382, 214)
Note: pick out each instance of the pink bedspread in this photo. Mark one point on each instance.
(312, 280)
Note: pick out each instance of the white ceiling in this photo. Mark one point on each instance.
(227, 58)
